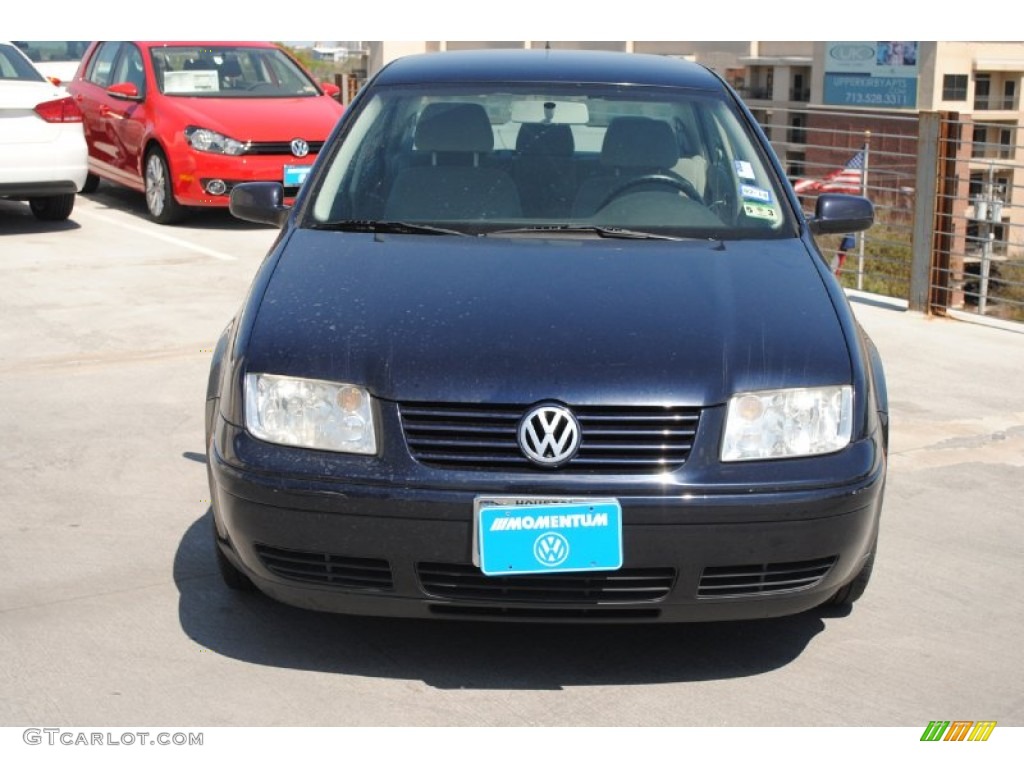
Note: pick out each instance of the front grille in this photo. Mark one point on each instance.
(484, 437)
(736, 580)
(467, 582)
(279, 148)
(358, 573)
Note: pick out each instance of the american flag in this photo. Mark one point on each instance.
(846, 180)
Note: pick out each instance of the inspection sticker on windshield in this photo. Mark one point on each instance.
(743, 169)
(541, 535)
(759, 211)
(294, 175)
(750, 192)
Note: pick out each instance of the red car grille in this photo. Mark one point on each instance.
(279, 148)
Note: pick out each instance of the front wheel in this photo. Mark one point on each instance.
(92, 183)
(851, 592)
(53, 208)
(159, 199)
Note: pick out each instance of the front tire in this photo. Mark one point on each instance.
(159, 198)
(92, 183)
(53, 208)
(850, 593)
(231, 576)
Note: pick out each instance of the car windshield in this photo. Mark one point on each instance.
(578, 159)
(14, 67)
(229, 72)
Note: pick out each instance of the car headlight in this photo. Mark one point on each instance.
(206, 140)
(309, 413)
(783, 423)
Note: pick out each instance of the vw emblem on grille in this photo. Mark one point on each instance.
(551, 549)
(549, 435)
(300, 147)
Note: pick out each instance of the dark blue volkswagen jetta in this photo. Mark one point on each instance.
(547, 337)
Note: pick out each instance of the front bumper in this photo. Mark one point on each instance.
(193, 171)
(395, 548)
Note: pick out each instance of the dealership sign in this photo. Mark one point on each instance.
(871, 74)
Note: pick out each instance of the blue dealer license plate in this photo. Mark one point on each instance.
(294, 175)
(520, 536)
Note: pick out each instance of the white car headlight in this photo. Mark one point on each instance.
(206, 140)
(309, 413)
(783, 423)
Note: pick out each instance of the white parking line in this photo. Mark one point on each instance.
(159, 236)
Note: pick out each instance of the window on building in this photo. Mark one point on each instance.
(1005, 143)
(976, 185)
(954, 87)
(982, 91)
(797, 133)
(799, 90)
(979, 141)
(796, 166)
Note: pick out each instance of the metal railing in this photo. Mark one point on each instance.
(949, 223)
(994, 103)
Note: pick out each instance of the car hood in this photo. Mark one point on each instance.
(308, 117)
(447, 319)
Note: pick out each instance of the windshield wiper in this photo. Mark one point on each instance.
(614, 232)
(386, 227)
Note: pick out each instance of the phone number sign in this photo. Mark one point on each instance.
(867, 91)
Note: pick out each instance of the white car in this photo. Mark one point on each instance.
(43, 155)
(54, 58)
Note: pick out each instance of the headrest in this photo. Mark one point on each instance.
(230, 68)
(639, 142)
(454, 127)
(545, 139)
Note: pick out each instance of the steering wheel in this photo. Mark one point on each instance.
(676, 182)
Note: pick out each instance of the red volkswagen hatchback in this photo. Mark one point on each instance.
(185, 122)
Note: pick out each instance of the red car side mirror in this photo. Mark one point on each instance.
(124, 91)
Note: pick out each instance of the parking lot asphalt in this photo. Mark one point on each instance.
(112, 613)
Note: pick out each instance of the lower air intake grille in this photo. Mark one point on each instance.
(467, 582)
(546, 615)
(734, 580)
(331, 570)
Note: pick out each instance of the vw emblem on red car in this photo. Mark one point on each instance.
(300, 147)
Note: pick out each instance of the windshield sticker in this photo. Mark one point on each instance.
(760, 211)
(744, 169)
(748, 192)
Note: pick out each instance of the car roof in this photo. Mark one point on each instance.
(533, 65)
(201, 43)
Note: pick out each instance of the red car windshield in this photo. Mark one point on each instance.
(229, 72)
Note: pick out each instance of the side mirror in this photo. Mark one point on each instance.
(259, 201)
(331, 89)
(834, 214)
(127, 91)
